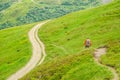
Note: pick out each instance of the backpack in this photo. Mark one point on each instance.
(88, 42)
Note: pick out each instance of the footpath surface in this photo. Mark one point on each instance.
(97, 54)
(37, 56)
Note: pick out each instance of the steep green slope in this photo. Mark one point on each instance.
(66, 57)
(4, 4)
(9, 15)
(28, 11)
(15, 49)
(82, 64)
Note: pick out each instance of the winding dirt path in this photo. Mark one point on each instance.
(37, 56)
(97, 54)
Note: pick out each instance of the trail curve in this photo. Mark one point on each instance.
(97, 54)
(38, 53)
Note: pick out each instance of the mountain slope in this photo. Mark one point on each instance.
(4, 4)
(20, 12)
(67, 59)
(15, 49)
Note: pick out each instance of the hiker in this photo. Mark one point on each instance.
(87, 43)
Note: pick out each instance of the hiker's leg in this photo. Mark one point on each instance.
(87, 46)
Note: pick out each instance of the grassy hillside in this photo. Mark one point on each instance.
(18, 12)
(4, 4)
(66, 57)
(74, 67)
(15, 49)
(9, 15)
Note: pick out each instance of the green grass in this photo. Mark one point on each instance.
(112, 58)
(17, 9)
(74, 67)
(100, 24)
(64, 39)
(15, 49)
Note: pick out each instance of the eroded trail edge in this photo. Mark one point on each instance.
(38, 53)
(97, 54)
